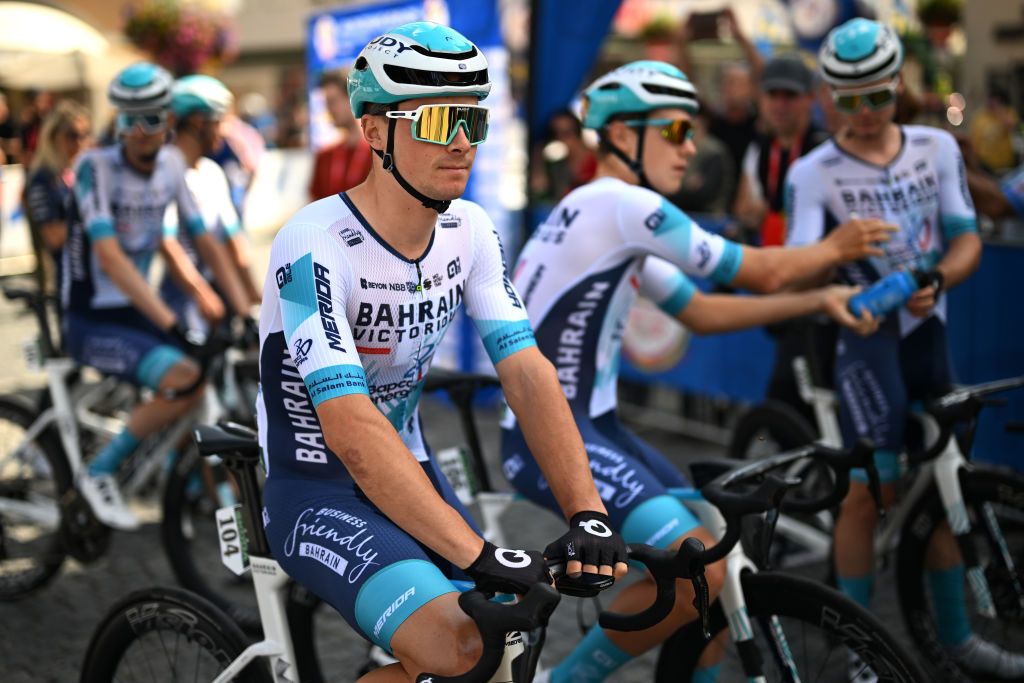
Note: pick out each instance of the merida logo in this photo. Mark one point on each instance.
(323, 299)
(391, 610)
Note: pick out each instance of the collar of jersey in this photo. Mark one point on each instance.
(373, 233)
(899, 154)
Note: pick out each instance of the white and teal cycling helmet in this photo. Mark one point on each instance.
(141, 87)
(200, 94)
(637, 88)
(858, 52)
(419, 59)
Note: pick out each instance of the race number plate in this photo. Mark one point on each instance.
(234, 551)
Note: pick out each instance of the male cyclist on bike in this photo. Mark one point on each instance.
(114, 321)
(199, 103)
(579, 274)
(913, 177)
(361, 288)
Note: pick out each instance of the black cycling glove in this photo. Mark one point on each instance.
(191, 343)
(500, 570)
(933, 278)
(590, 540)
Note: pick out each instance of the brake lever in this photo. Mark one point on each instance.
(702, 602)
(771, 518)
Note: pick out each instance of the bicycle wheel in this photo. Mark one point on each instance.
(196, 488)
(166, 634)
(796, 622)
(768, 429)
(994, 501)
(34, 475)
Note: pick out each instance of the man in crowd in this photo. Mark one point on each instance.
(344, 164)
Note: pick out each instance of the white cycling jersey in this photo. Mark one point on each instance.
(209, 186)
(343, 313)
(112, 199)
(580, 271)
(923, 191)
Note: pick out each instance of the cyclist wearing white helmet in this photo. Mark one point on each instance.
(199, 103)
(914, 178)
(579, 274)
(114, 321)
(361, 288)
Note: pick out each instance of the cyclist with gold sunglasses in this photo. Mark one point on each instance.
(912, 177)
(361, 288)
(579, 274)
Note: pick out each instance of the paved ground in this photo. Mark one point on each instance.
(43, 638)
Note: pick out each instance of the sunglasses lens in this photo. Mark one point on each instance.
(439, 124)
(880, 98)
(149, 123)
(847, 103)
(678, 132)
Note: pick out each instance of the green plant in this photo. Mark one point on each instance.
(183, 37)
(660, 27)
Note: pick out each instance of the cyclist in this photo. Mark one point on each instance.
(913, 177)
(361, 288)
(579, 274)
(114, 321)
(198, 103)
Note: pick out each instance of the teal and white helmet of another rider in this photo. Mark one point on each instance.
(418, 59)
(860, 51)
(636, 88)
(141, 87)
(200, 93)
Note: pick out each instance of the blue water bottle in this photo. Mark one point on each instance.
(888, 294)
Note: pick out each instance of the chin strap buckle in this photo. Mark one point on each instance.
(387, 161)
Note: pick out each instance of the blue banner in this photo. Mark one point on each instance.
(567, 38)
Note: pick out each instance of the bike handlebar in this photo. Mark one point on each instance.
(204, 354)
(495, 620)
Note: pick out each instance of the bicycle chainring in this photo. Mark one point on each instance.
(85, 538)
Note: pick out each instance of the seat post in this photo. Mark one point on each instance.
(252, 506)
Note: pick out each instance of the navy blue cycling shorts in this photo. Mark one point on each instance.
(632, 479)
(879, 376)
(122, 343)
(329, 537)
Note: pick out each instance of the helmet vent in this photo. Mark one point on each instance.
(663, 90)
(436, 79)
(610, 86)
(469, 54)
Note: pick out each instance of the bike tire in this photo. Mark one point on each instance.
(795, 599)
(168, 613)
(788, 428)
(189, 534)
(48, 475)
(980, 485)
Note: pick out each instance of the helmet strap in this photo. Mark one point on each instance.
(636, 165)
(387, 159)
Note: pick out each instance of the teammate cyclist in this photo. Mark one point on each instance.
(361, 288)
(579, 274)
(199, 103)
(114, 321)
(913, 177)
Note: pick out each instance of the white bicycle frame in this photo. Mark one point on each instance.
(72, 411)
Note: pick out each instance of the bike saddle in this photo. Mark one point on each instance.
(439, 378)
(230, 442)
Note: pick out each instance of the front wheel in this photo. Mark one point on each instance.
(800, 625)
(994, 503)
(166, 634)
(34, 477)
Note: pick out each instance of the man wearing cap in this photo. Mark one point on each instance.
(786, 97)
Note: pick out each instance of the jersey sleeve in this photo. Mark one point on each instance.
(313, 287)
(648, 220)
(491, 300)
(92, 196)
(171, 220)
(803, 205)
(957, 208)
(226, 213)
(665, 285)
(43, 200)
(1012, 185)
(189, 215)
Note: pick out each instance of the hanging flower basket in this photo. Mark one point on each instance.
(182, 37)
